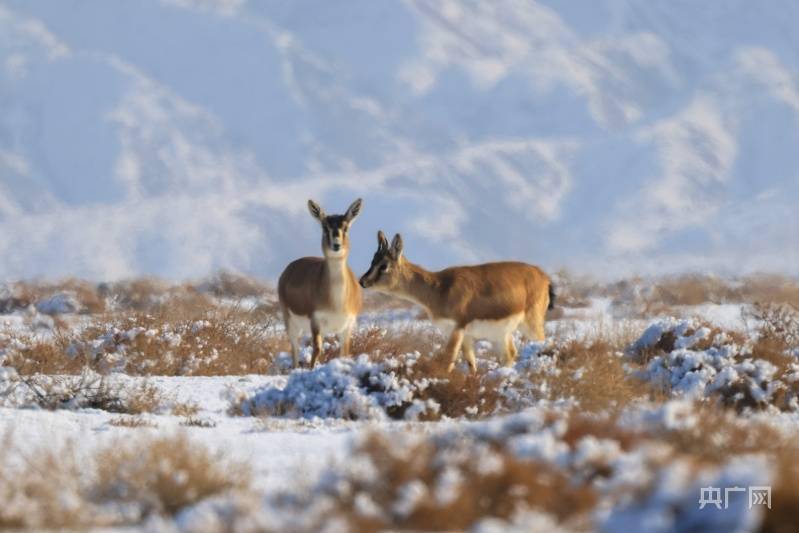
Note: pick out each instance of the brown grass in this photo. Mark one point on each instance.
(593, 373)
(221, 342)
(91, 391)
(235, 286)
(54, 488)
(509, 485)
(389, 342)
(721, 435)
(127, 421)
(185, 409)
(23, 294)
(193, 421)
(165, 475)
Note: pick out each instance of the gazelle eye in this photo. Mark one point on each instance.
(383, 268)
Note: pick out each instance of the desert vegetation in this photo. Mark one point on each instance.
(643, 393)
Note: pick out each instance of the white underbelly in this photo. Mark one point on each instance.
(491, 330)
(494, 330)
(330, 323)
(298, 324)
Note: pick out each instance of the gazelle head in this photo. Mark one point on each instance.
(335, 228)
(384, 272)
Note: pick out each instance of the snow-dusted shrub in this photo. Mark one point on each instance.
(351, 389)
(119, 484)
(59, 303)
(690, 359)
(670, 503)
(396, 482)
(87, 390)
(413, 386)
(219, 344)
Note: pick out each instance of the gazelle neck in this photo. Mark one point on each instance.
(336, 265)
(419, 285)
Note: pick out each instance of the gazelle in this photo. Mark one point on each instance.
(488, 301)
(321, 294)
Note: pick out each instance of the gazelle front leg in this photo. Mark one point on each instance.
(316, 341)
(345, 336)
(453, 348)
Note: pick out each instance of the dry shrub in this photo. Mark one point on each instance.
(22, 294)
(55, 488)
(696, 289)
(721, 434)
(458, 484)
(127, 421)
(667, 342)
(193, 421)
(141, 294)
(380, 343)
(457, 393)
(603, 426)
(165, 474)
(770, 288)
(92, 391)
(781, 518)
(778, 323)
(592, 373)
(223, 342)
(37, 488)
(31, 355)
(185, 409)
(574, 290)
(235, 286)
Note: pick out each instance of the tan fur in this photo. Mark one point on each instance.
(473, 300)
(322, 291)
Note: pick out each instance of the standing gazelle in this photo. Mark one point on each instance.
(321, 295)
(488, 301)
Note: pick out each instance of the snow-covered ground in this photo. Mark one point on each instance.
(305, 435)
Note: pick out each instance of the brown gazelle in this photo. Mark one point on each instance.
(488, 301)
(321, 294)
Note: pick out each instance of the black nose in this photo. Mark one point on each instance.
(336, 247)
(362, 283)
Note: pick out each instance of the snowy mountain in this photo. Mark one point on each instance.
(176, 137)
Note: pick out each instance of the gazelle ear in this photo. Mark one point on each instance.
(396, 246)
(354, 210)
(317, 212)
(382, 242)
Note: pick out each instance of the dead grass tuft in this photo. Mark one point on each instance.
(85, 295)
(56, 488)
(165, 475)
(235, 286)
(593, 373)
(381, 343)
(222, 342)
(127, 421)
(193, 421)
(92, 391)
(435, 486)
(185, 409)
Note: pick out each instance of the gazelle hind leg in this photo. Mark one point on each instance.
(453, 348)
(534, 323)
(468, 352)
(510, 350)
(292, 333)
